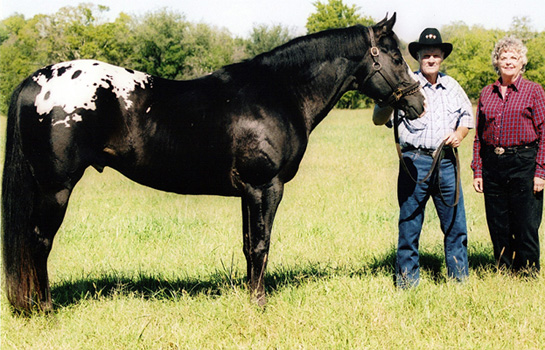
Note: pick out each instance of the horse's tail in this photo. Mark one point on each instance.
(19, 190)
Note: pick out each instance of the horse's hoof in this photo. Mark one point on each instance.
(260, 300)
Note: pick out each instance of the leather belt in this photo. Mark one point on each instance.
(425, 151)
(512, 150)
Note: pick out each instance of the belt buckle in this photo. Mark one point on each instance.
(499, 150)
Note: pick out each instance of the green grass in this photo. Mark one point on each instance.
(134, 268)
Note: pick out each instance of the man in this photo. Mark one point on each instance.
(448, 118)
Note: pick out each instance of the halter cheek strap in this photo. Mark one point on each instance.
(397, 92)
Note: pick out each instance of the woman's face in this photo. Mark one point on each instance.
(510, 65)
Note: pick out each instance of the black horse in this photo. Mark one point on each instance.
(240, 131)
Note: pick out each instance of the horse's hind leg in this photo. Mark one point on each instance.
(32, 219)
(51, 208)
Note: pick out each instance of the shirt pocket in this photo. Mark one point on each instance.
(415, 125)
(453, 116)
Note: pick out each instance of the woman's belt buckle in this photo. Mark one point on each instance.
(499, 150)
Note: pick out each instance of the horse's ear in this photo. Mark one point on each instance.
(390, 23)
(385, 25)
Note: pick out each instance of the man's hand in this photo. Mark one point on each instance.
(454, 139)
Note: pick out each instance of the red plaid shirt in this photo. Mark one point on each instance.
(515, 121)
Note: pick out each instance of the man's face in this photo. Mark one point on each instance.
(430, 60)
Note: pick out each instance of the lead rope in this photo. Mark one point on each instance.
(436, 159)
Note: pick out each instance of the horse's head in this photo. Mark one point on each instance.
(385, 76)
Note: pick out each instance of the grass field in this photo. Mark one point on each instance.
(134, 268)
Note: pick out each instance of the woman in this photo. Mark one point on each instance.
(509, 158)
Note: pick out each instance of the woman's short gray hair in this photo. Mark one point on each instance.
(509, 43)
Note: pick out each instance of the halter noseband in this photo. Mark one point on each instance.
(397, 92)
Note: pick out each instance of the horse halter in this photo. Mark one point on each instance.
(397, 92)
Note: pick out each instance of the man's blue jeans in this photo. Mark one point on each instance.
(412, 198)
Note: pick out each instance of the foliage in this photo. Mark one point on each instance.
(18, 54)
(264, 38)
(73, 33)
(157, 44)
(535, 42)
(335, 14)
(521, 27)
(535, 69)
(470, 62)
(208, 49)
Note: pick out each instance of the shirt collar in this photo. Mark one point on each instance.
(515, 86)
(425, 83)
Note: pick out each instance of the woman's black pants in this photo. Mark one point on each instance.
(513, 211)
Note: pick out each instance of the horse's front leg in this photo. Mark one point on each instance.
(259, 204)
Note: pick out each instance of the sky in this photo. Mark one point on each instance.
(240, 16)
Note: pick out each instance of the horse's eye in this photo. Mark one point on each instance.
(397, 58)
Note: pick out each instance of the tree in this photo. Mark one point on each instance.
(167, 45)
(208, 48)
(71, 33)
(18, 54)
(521, 27)
(157, 44)
(470, 62)
(535, 69)
(335, 14)
(264, 38)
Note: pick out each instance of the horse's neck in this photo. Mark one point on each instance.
(326, 88)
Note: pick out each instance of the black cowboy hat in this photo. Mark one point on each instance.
(430, 37)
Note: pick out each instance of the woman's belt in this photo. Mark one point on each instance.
(512, 150)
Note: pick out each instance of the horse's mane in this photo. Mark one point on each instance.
(303, 51)
(316, 47)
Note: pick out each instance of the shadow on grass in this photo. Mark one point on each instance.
(67, 293)
(479, 259)
(149, 287)
(160, 287)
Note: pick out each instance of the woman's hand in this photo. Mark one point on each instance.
(539, 183)
(478, 184)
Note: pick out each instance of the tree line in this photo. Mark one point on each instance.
(165, 44)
